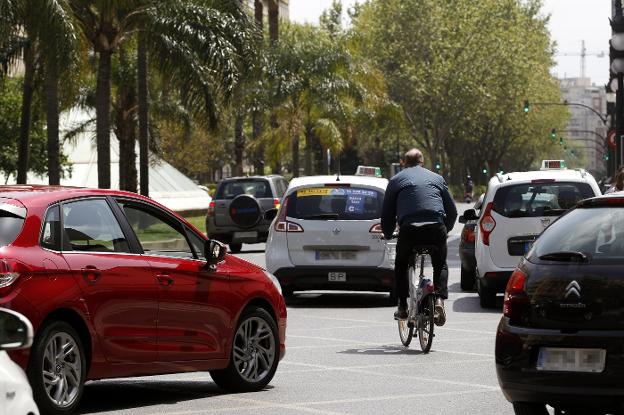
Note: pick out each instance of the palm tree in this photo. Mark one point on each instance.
(200, 44)
(41, 33)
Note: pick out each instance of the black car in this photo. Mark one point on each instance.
(560, 341)
(467, 246)
(237, 213)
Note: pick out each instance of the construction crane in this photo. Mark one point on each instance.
(583, 55)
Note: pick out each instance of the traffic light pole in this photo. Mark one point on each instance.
(619, 117)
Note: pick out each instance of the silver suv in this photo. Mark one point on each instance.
(237, 212)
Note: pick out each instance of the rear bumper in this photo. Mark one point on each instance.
(495, 281)
(516, 359)
(233, 235)
(316, 278)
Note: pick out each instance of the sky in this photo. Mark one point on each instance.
(571, 22)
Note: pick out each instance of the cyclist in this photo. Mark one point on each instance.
(421, 203)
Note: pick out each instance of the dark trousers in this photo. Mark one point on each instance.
(410, 237)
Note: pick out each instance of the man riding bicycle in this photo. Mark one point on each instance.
(421, 203)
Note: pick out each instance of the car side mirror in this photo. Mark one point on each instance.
(469, 214)
(214, 251)
(270, 214)
(16, 331)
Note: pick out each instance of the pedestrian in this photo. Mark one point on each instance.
(618, 183)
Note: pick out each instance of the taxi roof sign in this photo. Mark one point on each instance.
(368, 171)
(554, 165)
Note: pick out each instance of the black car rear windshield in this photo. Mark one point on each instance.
(11, 221)
(331, 203)
(539, 199)
(593, 234)
(258, 188)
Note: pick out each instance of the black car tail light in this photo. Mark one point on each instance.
(468, 234)
(516, 299)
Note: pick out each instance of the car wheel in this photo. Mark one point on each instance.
(57, 369)
(527, 408)
(236, 248)
(487, 298)
(254, 355)
(467, 279)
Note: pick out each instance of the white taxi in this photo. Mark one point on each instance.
(517, 207)
(327, 236)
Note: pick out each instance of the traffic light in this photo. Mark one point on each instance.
(553, 134)
(438, 166)
(606, 157)
(526, 106)
(484, 171)
(561, 140)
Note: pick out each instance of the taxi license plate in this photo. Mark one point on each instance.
(571, 360)
(337, 277)
(239, 235)
(335, 255)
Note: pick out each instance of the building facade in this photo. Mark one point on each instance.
(585, 131)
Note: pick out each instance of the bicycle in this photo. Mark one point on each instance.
(421, 303)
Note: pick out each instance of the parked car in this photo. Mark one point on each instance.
(467, 245)
(236, 213)
(117, 285)
(327, 236)
(559, 341)
(16, 398)
(517, 207)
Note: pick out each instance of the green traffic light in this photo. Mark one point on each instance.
(438, 166)
(553, 134)
(484, 171)
(526, 107)
(561, 140)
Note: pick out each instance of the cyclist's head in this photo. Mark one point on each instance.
(414, 157)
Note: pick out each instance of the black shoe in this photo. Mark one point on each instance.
(439, 315)
(401, 313)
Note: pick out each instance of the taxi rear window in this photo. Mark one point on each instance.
(539, 199)
(335, 203)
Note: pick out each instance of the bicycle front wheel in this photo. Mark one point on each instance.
(425, 324)
(406, 332)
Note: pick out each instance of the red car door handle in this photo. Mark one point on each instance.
(165, 280)
(91, 274)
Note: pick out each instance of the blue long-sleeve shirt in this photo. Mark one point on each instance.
(417, 195)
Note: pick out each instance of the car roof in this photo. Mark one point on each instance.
(528, 176)
(271, 176)
(615, 199)
(48, 194)
(306, 181)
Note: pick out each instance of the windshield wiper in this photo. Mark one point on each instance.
(568, 256)
(322, 216)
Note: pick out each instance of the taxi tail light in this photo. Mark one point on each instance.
(10, 271)
(487, 224)
(516, 300)
(283, 225)
(376, 228)
(211, 209)
(468, 234)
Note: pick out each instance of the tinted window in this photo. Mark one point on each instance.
(51, 235)
(11, 221)
(89, 225)
(258, 188)
(539, 199)
(345, 203)
(156, 235)
(596, 232)
(198, 244)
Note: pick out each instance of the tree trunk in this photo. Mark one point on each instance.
(259, 13)
(52, 119)
(126, 126)
(27, 95)
(309, 149)
(295, 156)
(239, 145)
(256, 131)
(102, 109)
(143, 115)
(273, 21)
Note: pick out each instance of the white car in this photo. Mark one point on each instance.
(517, 207)
(16, 396)
(327, 236)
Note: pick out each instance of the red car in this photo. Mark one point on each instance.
(117, 285)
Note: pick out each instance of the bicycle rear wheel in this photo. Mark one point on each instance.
(425, 324)
(406, 332)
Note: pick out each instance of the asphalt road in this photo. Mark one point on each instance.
(343, 356)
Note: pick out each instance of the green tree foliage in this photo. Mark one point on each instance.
(460, 72)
